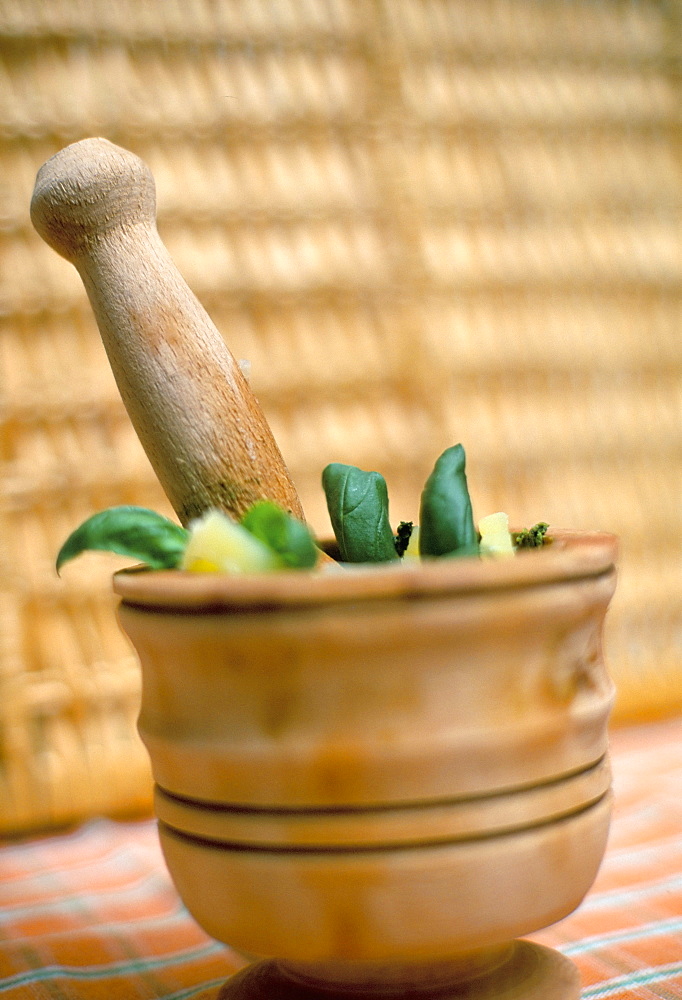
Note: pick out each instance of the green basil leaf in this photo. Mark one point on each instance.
(357, 502)
(283, 533)
(128, 531)
(446, 523)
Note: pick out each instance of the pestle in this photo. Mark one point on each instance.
(199, 423)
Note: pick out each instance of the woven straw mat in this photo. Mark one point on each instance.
(423, 222)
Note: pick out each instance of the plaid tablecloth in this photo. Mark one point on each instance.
(93, 914)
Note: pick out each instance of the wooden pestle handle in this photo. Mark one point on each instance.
(199, 423)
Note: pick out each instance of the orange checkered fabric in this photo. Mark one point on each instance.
(626, 938)
(92, 914)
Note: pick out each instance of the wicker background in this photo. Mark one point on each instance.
(422, 221)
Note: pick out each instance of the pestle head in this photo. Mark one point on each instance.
(86, 190)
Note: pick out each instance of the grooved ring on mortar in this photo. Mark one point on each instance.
(422, 822)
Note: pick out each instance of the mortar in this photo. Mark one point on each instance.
(374, 781)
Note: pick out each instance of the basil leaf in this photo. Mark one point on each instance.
(357, 502)
(446, 523)
(128, 531)
(283, 533)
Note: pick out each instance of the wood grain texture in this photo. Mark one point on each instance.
(201, 427)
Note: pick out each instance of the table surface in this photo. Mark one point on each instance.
(92, 913)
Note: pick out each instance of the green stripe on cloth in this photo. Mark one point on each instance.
(111, 970)
(622, 984)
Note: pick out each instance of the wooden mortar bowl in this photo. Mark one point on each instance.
(376, 779)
